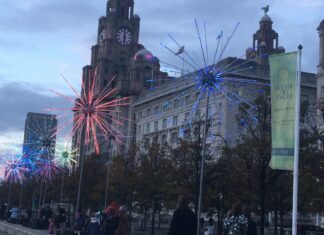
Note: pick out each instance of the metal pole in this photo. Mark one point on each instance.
(296, 149)
(202, 164)
(40, 195)
(21, 194)
(107, 183)
(80, 181)
(62, 185)
(9, 197)
(45, 192)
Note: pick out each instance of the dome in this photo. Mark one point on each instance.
(321, 26)
(266, 18)
(144, 54)
(136, 16)
(248, 50)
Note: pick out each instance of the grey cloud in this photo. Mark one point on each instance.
(177, 17)
(16, 100)
(52, 16)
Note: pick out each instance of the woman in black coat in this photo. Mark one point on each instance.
(184, 221)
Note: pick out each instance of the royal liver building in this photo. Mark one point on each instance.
(160, 114)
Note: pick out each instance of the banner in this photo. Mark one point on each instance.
(283, 70)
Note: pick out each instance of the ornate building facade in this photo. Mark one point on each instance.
(159, 114)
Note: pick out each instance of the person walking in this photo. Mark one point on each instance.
(184, 221)
(236, 223)
(93, 226)
(112, 220)
(122, 228)
(79, 222)
(252, 228)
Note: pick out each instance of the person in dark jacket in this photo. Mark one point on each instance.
(79, 222)
(93, 226)
(122, 228)
(184, 221)
(252, 228)
(112, 220)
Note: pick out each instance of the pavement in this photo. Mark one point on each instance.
(17, 229)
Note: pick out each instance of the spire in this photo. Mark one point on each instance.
(122, 8)
(265, 40)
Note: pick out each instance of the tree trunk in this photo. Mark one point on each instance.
(219, 221)
(153, 219)
(262, 202)
(145, 211)
(281, 223)
(276, 215)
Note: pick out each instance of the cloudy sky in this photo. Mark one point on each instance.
(40, 39)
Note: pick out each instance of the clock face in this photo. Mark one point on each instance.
(124, 36)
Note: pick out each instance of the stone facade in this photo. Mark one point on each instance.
(117, 54)
(38, 125)
(159, 114)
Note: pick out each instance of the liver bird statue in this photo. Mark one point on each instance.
(266, 9)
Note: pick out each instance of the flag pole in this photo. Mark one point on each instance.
(296, 147)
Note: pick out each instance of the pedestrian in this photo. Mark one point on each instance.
(122, 228)
(236, 223)
(51, 226)
(252, 228)
(79, 222)
(93, 226)
(112, 220)
(62, 219)
(210, 226)
(183, 221)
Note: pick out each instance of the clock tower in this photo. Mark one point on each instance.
(118, 60)
(117, 42)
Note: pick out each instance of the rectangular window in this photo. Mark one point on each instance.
(146, 142)
(155, 139)
(175, 120)
(148, 111)
(140, 115)
(164, 124)
(156, 109)
(176, 104)
(322, 92)
(187, 100)
(197, 114)
(304, 98)
(163, 139)
(139, 129)
(197, 96)
(165, 106)
(174, 137)
(186, 134)
(187, 116)
(156, 125)
(241, 91)
(148, 127)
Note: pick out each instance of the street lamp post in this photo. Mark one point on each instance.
(107, 182)
(202, 164)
